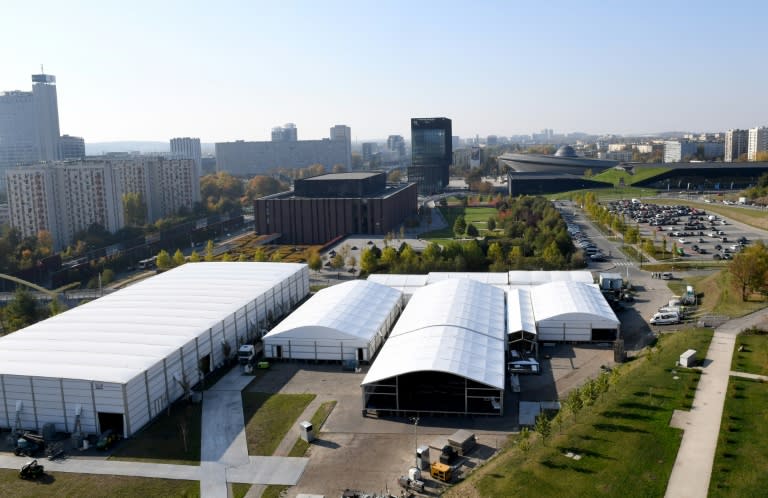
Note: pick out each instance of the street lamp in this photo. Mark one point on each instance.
(415, 421)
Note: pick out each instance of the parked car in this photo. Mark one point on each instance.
(665, 318)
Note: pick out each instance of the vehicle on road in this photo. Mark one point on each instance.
(665, 318)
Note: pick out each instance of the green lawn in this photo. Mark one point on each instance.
(163, 440)
(626, 445)
(269, 417)
(300, 448)
(754, 357)
(475, 215)
(742, 448)
(607, 194)
(93, 485)
(612, 176)
(239, 489)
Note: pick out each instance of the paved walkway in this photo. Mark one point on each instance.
(746, 375)
(693, 467)
(109, 467)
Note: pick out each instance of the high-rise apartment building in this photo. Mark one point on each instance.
(735, 144)
(678, 150)
(71, 148)
(188, 148)
(285, 133)
(29, 124)
(369, 149)
(396, 144)
(243, 158)
(66, 197)
(757, 141)
(432, 154)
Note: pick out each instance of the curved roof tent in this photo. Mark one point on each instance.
(521, 323)
(530, 278)
(455, 326)
(572, 311)
(353, 311)
(497, 279)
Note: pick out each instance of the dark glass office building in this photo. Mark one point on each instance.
(432, 154)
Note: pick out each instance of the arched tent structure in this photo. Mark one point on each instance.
(521, 323)
(348, 321)
(573, 311)
(444, 355)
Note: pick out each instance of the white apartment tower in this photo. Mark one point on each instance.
(735, 144)
(66, 197)
(344, 133)
(188, 148)
(757, 141)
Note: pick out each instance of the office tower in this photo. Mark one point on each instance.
(46, 108)
(369, 149)
(735, 144)
(71, 147)
(66, 197)
(29, 124)
(757, 141)
(432, 154)
(285, 133)
(342, 133)
(396, 144)
(188, 148)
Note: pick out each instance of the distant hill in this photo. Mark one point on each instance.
(145, 147)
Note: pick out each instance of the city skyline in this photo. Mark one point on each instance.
(158, 71)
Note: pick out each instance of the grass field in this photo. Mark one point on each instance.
(754, 357)
(613, 176)
(740, 469)
(93, 485)
(721, 297)
(163, 442)
(478, 216)
(269, 417)
(626, 445)
(607, 194)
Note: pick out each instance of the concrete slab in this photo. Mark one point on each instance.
(213, 482)
(235, 380)
(108, 467)
(223, 430)
(269, 470)
(529, 410)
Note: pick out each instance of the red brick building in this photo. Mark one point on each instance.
(324, 207)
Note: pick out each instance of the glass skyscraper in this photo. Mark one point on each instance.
(432, 154)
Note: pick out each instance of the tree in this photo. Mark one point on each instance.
(21, 311)
(107, 276)
(543, 426)
(226, 257)
(749, 268)
(261, 185)
(491, 224)
(178, 258)
(242, 258)
(194, 257)
(368, 261)
(459, 226)
(134, 209)
(209, 251)
(495, 252)
(472, 230)
(314, 261)
(389, 256)
(259, 255)
(164, 260)
(588, 173)
(394, 176)
(276, 257)
(337, 262)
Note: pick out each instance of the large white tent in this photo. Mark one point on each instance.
(118, 361)
(445, 354)
(348, 321)
(521, 323)
(573, 311)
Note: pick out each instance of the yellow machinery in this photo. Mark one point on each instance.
(441, 472)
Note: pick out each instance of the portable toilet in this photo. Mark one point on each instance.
(307, 433)
(422, 457)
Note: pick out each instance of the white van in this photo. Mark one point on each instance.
(665, 318)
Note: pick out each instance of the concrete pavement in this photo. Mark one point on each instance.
(109, 467)
(693, 467)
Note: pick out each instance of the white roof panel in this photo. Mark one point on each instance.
(119, 336)
(520, 315)
(354, 309)
(573, 300)
(492, 278)
(454, 326)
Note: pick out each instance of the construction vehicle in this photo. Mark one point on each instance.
(28, 444)
(31, 470)
(441, 472)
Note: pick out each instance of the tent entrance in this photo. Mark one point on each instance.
(112, 421)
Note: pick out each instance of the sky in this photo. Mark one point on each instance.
(230, 70)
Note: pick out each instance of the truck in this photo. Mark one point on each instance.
(248, 353)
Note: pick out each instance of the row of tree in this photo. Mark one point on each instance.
(749, 269)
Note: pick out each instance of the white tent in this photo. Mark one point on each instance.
(573, 311)
(118, 361)
(445, 354)
(521, 322)
(348, 321)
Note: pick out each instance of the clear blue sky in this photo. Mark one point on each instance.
(231, 70)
